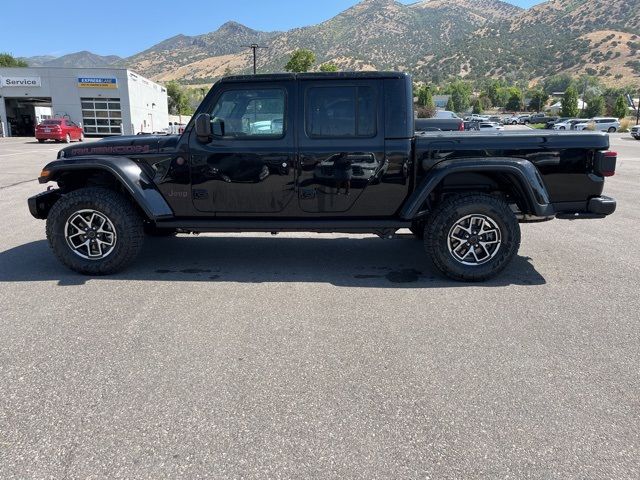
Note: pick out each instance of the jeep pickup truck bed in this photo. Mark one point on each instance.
(324, 153)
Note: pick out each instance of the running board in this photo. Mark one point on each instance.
(382, 228)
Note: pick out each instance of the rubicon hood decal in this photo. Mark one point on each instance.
(109, 149)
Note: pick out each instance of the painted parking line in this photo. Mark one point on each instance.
(27, 152)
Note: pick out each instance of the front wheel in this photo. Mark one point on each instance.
(612, 130)
(95, 231)
(67, 138)
(472, 237)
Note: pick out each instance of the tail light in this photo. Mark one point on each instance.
(461, 127)
(605, 164)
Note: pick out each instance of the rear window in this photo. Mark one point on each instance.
(52, 122)
(341, 112)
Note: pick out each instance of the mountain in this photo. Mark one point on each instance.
(82, 59)
(162, 60)
(435, 40)
(37, 61)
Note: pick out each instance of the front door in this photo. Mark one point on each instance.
(342, 145)
(247, 168)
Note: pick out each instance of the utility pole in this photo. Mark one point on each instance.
(254, 47)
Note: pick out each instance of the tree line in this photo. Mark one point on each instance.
(493, 94)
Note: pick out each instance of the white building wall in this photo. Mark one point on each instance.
(140, 98)
(149, 105)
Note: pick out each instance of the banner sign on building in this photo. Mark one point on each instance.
(93, 82)
(20, 82)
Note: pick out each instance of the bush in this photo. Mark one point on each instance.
(625, 125)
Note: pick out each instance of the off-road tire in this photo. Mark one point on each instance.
(118, 209)
(448, 213)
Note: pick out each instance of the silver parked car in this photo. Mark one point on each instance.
(600, 124)
(635, 132)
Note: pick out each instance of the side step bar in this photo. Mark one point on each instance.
(379, 227)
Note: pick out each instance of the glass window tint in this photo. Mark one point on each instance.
(251, 113)
(367, 116)
(334, 112)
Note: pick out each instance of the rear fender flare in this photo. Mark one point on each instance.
(127, 172)
(536, 199)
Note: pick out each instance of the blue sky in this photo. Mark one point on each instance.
(125, 27)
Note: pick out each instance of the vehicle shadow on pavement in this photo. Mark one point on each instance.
(345, 262)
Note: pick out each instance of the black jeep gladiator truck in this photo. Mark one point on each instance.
(333, 152)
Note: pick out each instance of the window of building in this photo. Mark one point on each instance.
(333, 112)
(101, 116)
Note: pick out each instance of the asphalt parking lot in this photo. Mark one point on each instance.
(320, 356)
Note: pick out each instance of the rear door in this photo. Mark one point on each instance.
(341, 142)
(248, 166)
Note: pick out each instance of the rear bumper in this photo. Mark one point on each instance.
(39, 205)
(597, 207)
(49, 136)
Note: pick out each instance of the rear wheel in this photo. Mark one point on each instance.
(67, 138)
(612, 130)
(81, 138)
(472, 237)
(95, 231)
(41, 140)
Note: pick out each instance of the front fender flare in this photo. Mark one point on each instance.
(523, 171)
(127, 172)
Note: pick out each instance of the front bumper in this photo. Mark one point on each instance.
(597, 207)
(40, 205)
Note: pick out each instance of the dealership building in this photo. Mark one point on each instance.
(105, 101)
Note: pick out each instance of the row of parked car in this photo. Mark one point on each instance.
(602, 124)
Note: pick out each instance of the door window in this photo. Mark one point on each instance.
(250, 113)
(340, 112)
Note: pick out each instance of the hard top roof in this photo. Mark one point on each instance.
(314, 76)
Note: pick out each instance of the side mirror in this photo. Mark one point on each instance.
(203, 126)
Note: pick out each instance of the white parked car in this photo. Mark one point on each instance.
(599, 124)
(569, 124)
(478, 118)
(446, 114)
(490, 127)
(635, 132)
(517, 120)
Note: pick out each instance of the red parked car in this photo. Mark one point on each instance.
(60, 130)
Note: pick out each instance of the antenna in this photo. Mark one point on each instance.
(254, 47)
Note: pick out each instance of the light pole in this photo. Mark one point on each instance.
(254, 47)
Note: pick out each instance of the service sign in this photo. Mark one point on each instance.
(96, 82)
(20, 82)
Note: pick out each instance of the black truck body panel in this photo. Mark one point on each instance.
(291, 180)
